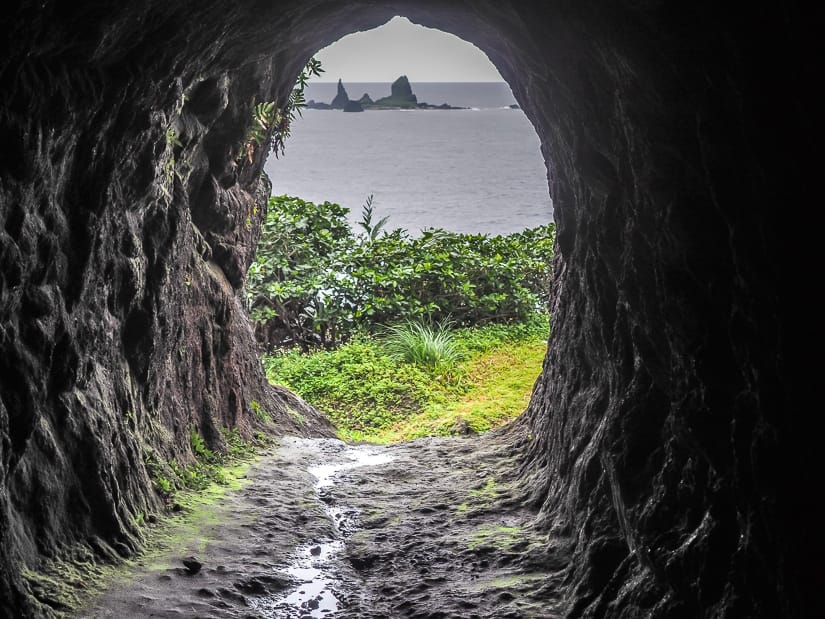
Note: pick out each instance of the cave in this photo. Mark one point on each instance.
(672, 425)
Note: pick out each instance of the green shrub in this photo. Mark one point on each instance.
(164, 485)
(316, 284)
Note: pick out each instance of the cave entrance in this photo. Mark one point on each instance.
(427, 142)
(475, 169)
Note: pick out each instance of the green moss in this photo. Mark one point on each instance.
(378, 518)
(501, 538)
(55, 594)
(60, 585)
(171, 477)
(480, 498)
(487, 493)
(196, 517)
(199, 488)
(508, 581)
(297, 416)
(73, 580)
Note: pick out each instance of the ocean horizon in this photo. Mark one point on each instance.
(476, 170)
(478, 95)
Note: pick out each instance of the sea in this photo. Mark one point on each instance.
(474, 170)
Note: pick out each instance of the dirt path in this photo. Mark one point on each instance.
(323, 529)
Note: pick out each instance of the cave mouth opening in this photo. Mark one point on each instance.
(476, 169)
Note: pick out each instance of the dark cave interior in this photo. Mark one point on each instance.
(673, 444)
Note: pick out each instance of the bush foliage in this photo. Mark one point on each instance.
(316, 283)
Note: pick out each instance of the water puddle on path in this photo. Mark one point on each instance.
(317, 565)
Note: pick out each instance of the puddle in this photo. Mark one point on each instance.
(314, 567)
(314, 596)
(358, 456)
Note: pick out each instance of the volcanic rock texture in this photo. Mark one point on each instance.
(669, 440)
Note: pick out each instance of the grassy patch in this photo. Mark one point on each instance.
(373, 393)
(358, 385)
(501, 381)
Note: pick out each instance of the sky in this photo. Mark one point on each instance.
(400, 47)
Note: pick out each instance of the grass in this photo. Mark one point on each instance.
(374, 393)
(421, 343)
(358, 385)
(501, 383)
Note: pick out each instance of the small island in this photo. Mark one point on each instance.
(401, 98)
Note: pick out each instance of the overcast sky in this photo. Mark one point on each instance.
(400, 47)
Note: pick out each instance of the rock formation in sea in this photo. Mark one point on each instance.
(401, 96)
(341, 98)
(402, 91)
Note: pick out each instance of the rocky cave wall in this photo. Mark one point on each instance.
(665, 423)
(128, 221)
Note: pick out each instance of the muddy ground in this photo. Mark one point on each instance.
(430, 528)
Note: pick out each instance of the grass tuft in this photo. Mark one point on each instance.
(423, 343)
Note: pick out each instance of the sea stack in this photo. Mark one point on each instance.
(341, 98)
(402, 91)
(401, 96)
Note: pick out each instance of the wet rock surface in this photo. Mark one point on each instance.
(243, 543)
(324, 529)
(442, 531)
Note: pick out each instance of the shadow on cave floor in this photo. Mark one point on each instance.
(430, 528)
